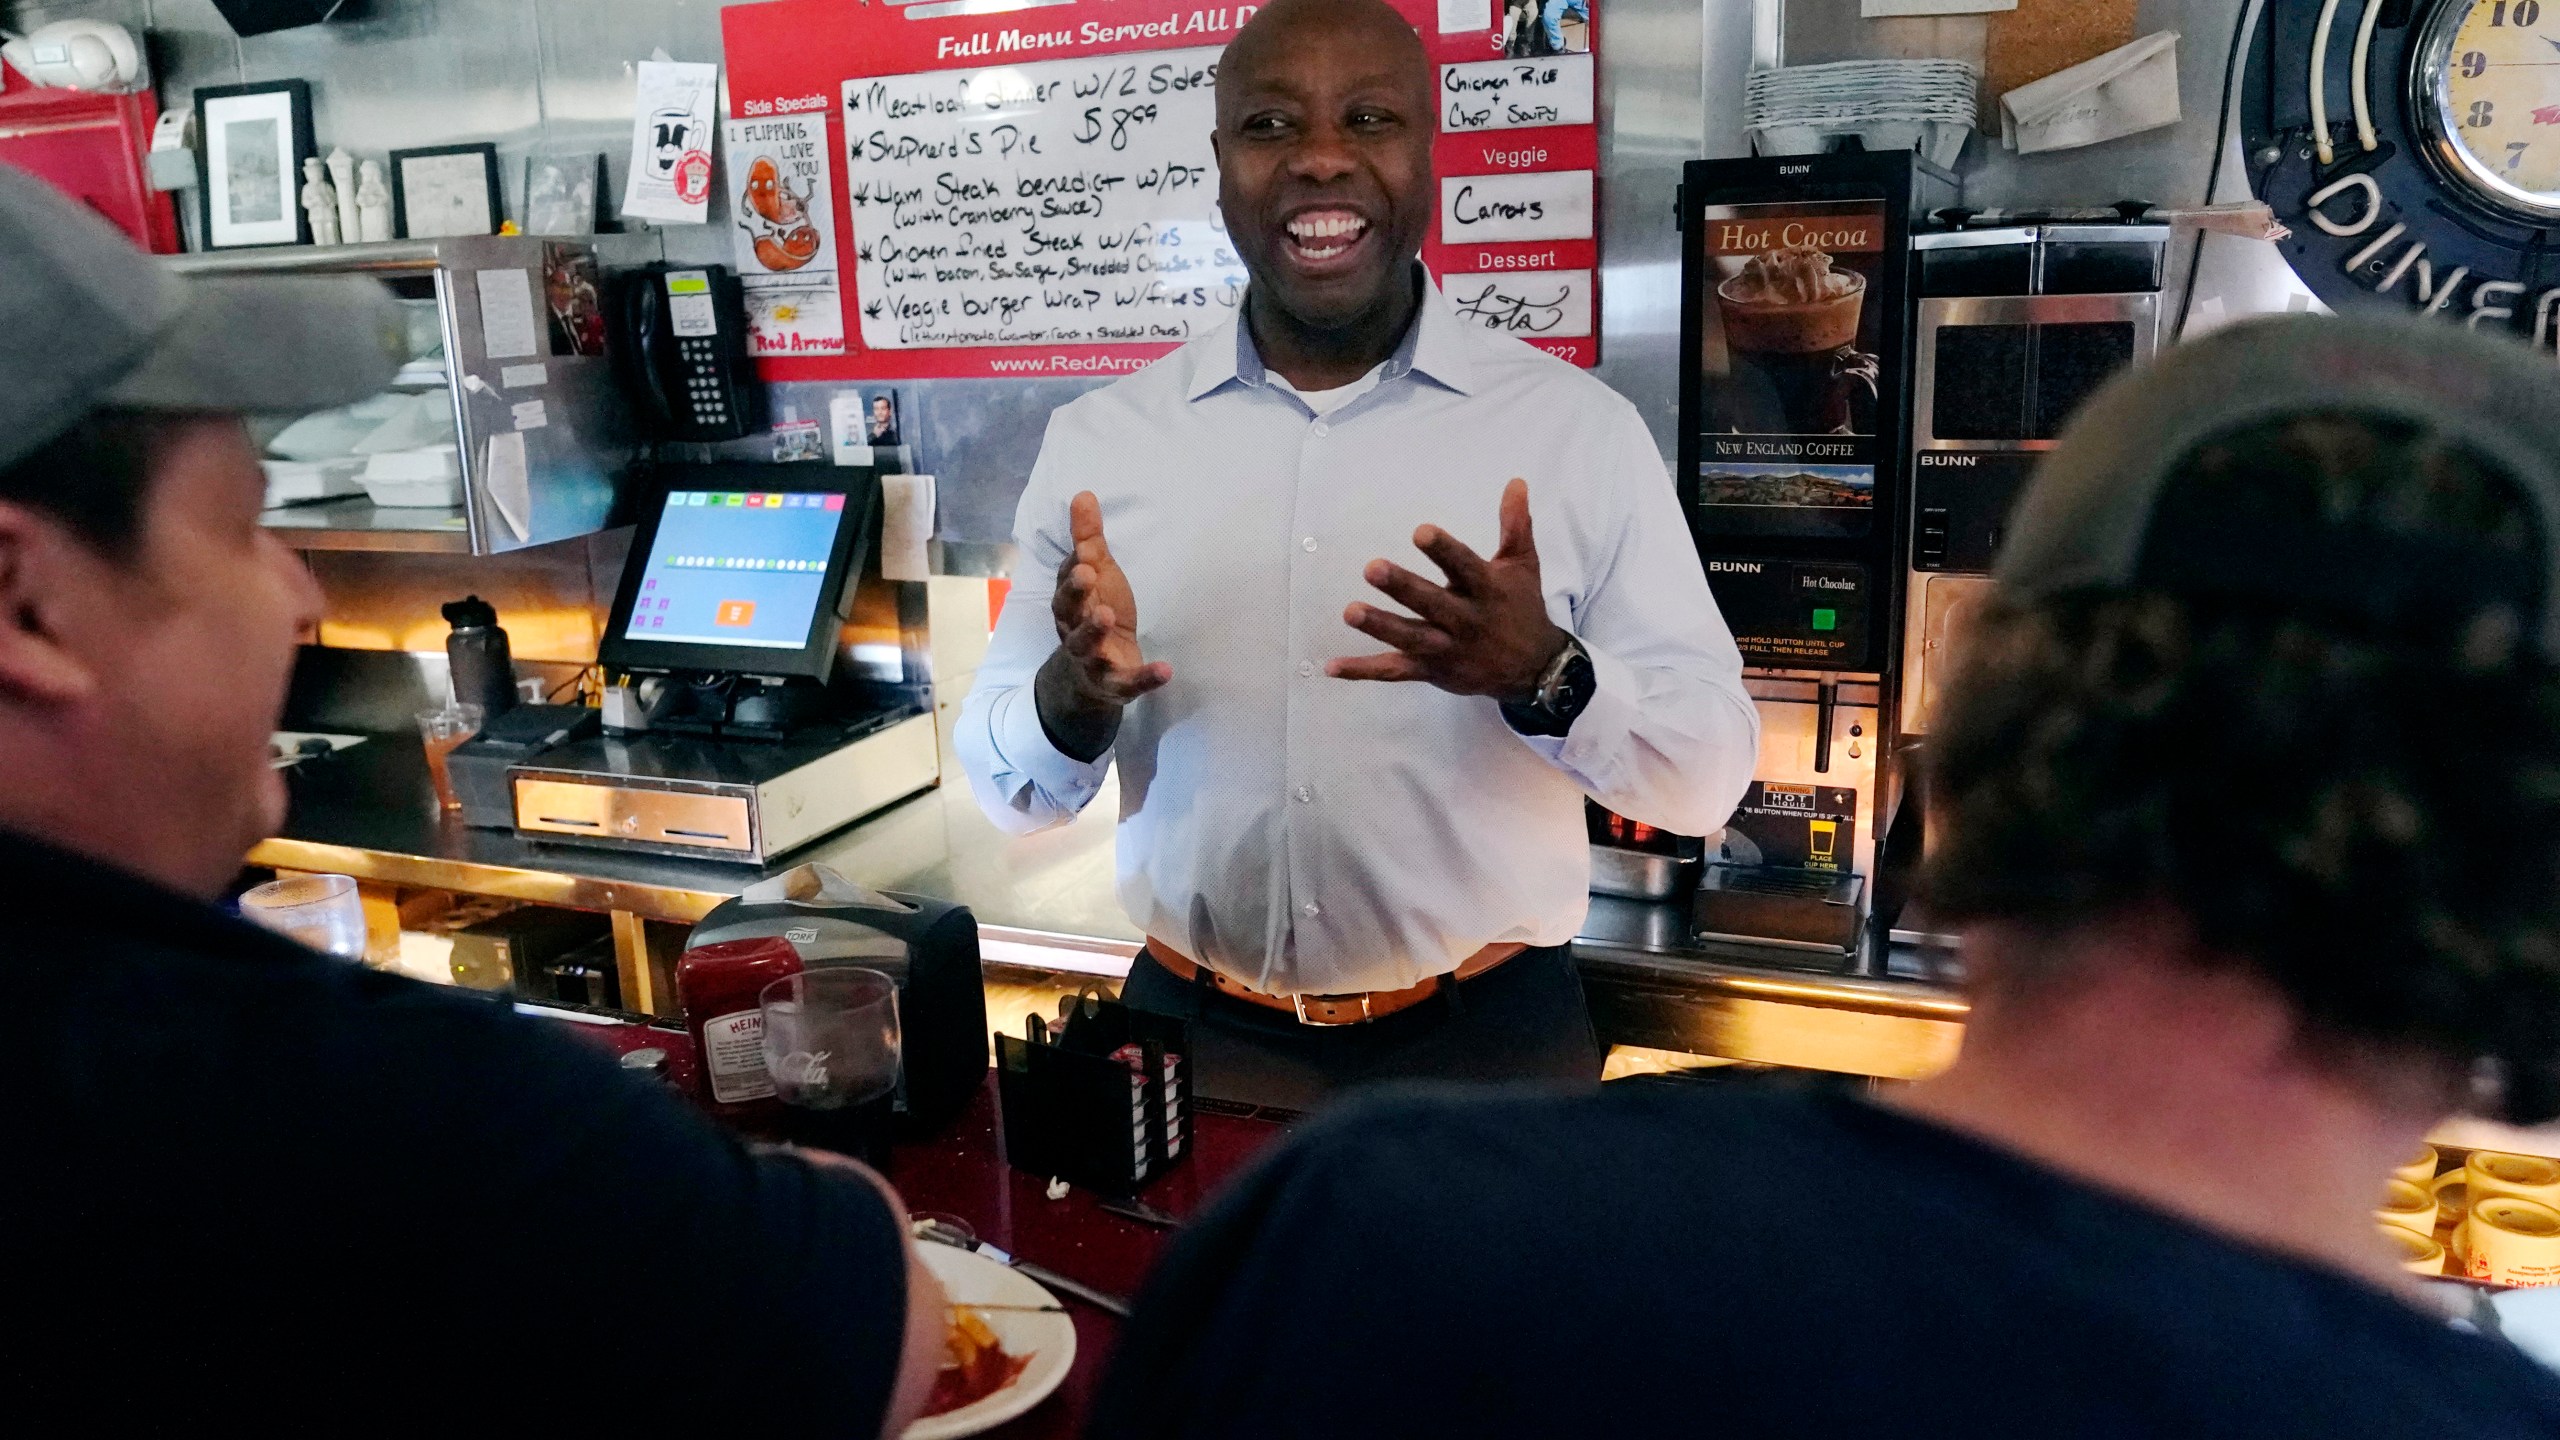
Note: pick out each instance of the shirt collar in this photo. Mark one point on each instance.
(1434, 347)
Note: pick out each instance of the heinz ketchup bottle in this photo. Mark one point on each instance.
(717, 986)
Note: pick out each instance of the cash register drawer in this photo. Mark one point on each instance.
(653, 817)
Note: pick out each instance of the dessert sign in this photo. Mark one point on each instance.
(1032, 192)
(1789, 369)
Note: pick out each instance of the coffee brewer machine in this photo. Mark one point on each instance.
(2015, 325)
(1792, 472)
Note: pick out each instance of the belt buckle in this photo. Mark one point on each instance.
(1299, 1003)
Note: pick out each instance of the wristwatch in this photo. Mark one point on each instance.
(1563, 693)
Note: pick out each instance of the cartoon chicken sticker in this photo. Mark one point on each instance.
(777, 217)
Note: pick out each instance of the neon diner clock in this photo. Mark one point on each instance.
(2413, 146)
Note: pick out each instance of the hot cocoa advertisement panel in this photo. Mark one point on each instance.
(1790, 368)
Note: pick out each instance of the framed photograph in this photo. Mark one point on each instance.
(445, 190)
(564, 194)
(255, 140)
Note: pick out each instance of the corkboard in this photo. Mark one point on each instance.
(2043, 36)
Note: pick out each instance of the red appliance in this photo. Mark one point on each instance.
(91, 147)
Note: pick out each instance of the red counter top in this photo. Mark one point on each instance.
(963, 1173)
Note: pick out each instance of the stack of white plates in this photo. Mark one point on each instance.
(1923, 105)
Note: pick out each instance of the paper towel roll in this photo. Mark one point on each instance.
(2530, 1177)
(2408, 1207)
(2421, 1167)
(2514, 1241)
(2416, 1254)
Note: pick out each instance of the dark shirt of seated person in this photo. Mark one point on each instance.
(248, 1186)
(2270, 666)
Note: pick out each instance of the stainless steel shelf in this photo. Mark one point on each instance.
(358, 524)
(414, 257)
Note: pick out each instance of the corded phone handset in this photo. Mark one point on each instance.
(684, 351)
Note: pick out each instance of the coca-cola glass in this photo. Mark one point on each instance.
(834, 1048)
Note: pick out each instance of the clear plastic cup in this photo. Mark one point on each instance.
(322, 911)
(441, 730)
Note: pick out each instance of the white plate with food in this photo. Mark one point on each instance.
(1010, 1344)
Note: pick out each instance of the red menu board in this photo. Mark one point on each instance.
(924, 194)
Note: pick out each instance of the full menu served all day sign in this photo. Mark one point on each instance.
(922, 192)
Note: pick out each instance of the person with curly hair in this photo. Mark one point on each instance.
(2247, 811)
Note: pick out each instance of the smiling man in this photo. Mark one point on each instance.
(1355, 863)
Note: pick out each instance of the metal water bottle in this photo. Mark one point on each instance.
(484, 672)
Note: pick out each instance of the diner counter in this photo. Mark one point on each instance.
(1046, 902)
(961, 1174)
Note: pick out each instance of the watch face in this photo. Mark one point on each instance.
(2486, 83)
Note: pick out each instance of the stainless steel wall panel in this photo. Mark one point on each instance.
(590, 51)
(559, 74)
(1652, 117)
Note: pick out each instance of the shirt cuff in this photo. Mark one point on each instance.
(1023, 746)
(1585, 750)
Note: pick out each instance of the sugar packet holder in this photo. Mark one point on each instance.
(1105, 1104)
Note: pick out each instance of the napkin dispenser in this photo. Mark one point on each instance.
(928, 947)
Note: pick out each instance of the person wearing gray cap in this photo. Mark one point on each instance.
(248, 1183)
(2249, 817)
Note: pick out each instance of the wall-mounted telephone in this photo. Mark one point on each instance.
(683, 352)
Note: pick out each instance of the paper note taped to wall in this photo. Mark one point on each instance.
(1532, 304)
(906, 524)
(671, 130)
(510, 482)
(507, 327)
(1879, 9)
(1457, 17)
(1516, 94)
(1489, 209)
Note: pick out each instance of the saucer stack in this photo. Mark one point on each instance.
(1923, 105)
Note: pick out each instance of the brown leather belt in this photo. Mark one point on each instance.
(1357, 1009)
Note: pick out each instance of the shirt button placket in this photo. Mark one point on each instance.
(1304, 622)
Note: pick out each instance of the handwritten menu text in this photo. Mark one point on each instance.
(1071, 201)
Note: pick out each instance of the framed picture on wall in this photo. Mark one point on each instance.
(563, 193)
(445, 190)
(255, 140)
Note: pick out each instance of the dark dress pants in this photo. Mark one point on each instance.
(1523, 1020)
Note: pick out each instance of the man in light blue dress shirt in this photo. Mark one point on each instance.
(1354, 863)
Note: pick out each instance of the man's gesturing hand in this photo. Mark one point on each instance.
(1485, 633)
(1097, 667)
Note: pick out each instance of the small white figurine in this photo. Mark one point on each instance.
(342, 178)
(321, 202)
(373, 202)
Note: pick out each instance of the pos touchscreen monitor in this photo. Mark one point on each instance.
(743, 570)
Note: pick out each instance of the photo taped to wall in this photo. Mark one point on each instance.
(1532, 28)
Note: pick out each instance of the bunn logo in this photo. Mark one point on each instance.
(1948, 459)
(1735, 567)
(1795, 169)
